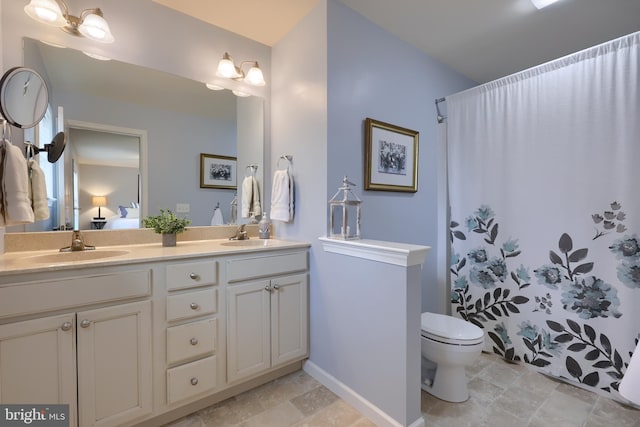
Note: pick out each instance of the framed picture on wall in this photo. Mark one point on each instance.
(218, 171)
(390, 157)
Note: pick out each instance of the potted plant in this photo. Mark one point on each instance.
(168, 224)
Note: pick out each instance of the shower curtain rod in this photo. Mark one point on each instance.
(441, 117)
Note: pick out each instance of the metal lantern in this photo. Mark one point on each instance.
(344, 213)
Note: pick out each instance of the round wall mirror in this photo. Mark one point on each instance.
(23, 97)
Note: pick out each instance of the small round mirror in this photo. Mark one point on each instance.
(23, 97)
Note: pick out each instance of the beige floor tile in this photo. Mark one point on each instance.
(311, 401)
(564, 407)
(445, 414)
(479, 364)
(484, 391)
(363, 422)
(192, 420)
(584, 395)
(231, 411)
(520, 402)
(281, 415)
(500, 374)
(497, 417)
(543, 422)
(615, 413)
(338, 414)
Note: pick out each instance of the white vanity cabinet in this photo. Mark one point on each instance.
(267, 313)
(192, 329)
(98, 360)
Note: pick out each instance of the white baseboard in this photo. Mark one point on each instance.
(366, 408)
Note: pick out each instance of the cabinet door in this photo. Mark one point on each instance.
(248, 342)
(37, 362)
(114, 364)
(289, 318)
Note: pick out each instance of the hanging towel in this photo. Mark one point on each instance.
(250, 198)
(38, 191)
(282, 196)
(15, 187)
(217, 217)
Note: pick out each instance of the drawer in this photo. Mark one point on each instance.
(191, 379)
(264, 266)
(37, 297)
(192, 304)
(191, 340)
(191, 274)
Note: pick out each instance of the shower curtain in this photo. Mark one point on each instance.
(544, 188)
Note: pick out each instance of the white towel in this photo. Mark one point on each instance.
(250, 198)
(282, 196)
(15, 187)
(217, 217)
(38, 191)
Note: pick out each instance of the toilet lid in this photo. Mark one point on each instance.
(451, 329)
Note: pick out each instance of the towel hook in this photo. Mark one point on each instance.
(252, 170)
(287, 157)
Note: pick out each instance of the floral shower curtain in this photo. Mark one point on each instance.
(544, 187)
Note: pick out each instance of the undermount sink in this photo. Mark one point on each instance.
(77, 256)
(256, 242)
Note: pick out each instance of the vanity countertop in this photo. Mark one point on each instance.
(12, 263)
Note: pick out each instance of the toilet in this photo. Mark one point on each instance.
(448, 345)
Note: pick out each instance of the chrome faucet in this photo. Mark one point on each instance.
(241, 234)
(77, 244)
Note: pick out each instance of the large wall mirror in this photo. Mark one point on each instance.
(134, 138)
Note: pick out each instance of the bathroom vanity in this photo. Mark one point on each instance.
(146, 334)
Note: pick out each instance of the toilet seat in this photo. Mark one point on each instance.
(450, 330)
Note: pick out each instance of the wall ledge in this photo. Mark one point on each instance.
(402, 254)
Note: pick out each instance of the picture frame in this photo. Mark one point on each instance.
(390, 157)
(218, 171)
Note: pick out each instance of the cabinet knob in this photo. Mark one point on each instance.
(85, 323)
(194, 306)
(194, 276)
(194, 381)
(193, 341)
(267, 288)
(276, 287)
(66, 326)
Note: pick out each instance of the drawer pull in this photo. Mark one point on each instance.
(193, 341)
(85, 323)
(276, 287)
(66, 326)
(194, 276)
(194, 306)
(267, 288)
(194, 381)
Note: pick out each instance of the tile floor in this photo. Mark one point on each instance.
(501, 395)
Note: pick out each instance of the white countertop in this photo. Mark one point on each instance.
(40, 261)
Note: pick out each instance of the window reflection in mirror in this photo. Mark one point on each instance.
(181, 117)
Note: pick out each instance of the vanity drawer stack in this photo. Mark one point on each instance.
(192, 331)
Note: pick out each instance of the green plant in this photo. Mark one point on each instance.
(166, 223)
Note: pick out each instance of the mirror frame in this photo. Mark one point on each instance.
(41, 100)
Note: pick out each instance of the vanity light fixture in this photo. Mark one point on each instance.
(212, 86)
(240, 93)
(90, 24)
(96, 56)
(539, 4)
(229, 70)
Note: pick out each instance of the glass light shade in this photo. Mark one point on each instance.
(240, 93)
(212, 86)
(539, 4)
(96, 56)
(226, 68)
(95, 27)
(99, 201)
(46, 12)
(254, 76)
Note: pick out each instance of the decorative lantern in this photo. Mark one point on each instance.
(344, 213)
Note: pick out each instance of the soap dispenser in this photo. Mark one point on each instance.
(264, 227)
